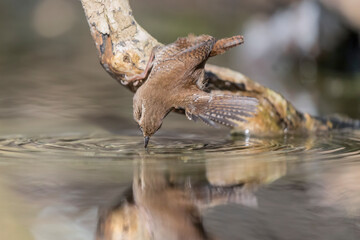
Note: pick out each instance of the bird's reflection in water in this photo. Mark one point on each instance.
(165, 203)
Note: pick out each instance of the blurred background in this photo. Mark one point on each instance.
(52, 82)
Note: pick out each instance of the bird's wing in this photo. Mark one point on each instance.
(225, 109)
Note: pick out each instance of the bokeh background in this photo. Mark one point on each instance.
(51, 80)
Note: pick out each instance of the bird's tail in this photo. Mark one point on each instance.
(339, 122)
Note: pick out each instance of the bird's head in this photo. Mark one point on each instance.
(149, 117)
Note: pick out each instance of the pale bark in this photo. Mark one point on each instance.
(123, 45)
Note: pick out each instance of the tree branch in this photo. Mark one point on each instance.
(124, 48)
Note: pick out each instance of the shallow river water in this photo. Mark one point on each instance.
(188, 186)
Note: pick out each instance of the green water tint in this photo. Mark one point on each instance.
(188, 186)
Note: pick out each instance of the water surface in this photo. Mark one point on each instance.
(192, 186)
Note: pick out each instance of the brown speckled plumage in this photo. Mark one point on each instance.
(176, 81)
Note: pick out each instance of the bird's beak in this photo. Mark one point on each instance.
(146, 141)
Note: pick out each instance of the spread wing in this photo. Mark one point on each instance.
(225, 109)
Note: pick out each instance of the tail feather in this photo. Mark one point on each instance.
(338, 122)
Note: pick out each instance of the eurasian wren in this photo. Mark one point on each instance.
(176, 81)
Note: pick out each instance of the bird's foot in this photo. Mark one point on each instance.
(135, 80)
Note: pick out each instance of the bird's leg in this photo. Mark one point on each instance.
(144, 74)
(222, 45)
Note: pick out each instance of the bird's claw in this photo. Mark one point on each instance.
(134, 80)
(124, 82)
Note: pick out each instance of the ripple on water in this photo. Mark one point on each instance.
(329, 147)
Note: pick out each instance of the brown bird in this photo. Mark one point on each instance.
(176, 79)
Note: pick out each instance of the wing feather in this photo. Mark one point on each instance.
(225, 109)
